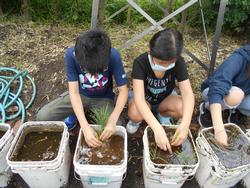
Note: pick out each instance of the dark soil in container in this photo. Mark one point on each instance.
(110, 153)
(37, 146)
(182, 155)
(2, 133)
(238, 151)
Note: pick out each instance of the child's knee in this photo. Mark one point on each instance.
(235, 96)
(134, 115)
(179, 109)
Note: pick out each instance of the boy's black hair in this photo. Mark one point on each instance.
(92, 51)
(166, 44)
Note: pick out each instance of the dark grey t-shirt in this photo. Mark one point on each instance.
(158, 89)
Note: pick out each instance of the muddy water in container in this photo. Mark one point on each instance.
(183, 155)
(38, 145)
(236, 154)
(111, 152)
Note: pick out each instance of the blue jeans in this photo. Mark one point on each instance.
(243, 107)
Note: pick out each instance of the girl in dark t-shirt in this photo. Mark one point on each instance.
(154, 75)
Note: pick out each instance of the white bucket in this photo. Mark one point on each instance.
(211, 173)
(165, 175)
(163, 179)
(5, 142)
(43, 174)
(248, 133)
(104, 176)
(246, 179)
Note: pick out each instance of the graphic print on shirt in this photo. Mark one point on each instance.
(93, 82)
(157, 87)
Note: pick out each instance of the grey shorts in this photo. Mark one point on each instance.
(60, 108)
(154, 107)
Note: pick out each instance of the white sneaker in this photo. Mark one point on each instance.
(132, 127)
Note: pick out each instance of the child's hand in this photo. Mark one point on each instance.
(221, 137)
(161, 139)
(180, 135)
(91, 137)
(108, 131)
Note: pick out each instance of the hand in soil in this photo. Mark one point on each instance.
(108, 131)
(91, 137)
(180, 135)
(161, 139)
(221, 137)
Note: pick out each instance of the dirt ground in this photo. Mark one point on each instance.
(40, 50)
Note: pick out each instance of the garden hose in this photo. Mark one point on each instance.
(9, 98)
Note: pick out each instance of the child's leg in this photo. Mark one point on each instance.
(244, 107)
(171, 106)
(135, 118)
(233, 99)
(133, 113)
(56, 110)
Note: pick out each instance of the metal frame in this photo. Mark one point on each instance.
(157, 25)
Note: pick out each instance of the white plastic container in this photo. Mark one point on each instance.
(101, 176)
(246, 179)
(165, 175)
(211, 173)
(5, 142)
(43, 174)
(248, 133)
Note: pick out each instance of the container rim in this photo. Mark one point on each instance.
(213, 156)
(155, 165)
(88, 167)
(7, 134)
(33, 164)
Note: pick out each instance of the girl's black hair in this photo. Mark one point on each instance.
(166, 44)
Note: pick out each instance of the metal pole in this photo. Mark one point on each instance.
(143, 13)
(118, 12)
(223, 4)
(95, 7)
(205, 31)
(157, 24)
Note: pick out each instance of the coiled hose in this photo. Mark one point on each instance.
(8, 98)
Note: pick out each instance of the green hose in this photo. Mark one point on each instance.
(8, 98)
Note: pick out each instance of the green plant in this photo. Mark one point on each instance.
(233, 135)
(235, 19)
(153, 151)
(184, 158)
(100, 117)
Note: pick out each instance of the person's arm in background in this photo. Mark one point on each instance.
(219, 130)
(188, 107)
(219, 86)
(114, 116)
(90, 135)
(141, 104)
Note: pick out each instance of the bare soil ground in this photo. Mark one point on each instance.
(40, 50)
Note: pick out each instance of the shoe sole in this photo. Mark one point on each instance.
(70, 129)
